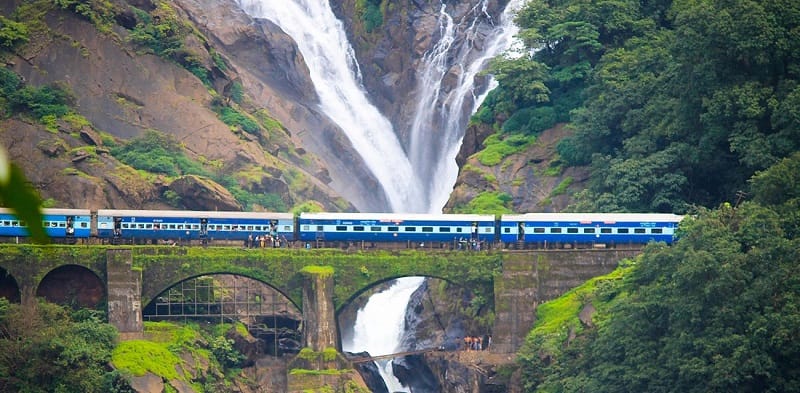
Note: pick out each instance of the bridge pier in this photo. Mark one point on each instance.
(124, 293)
(319, 330)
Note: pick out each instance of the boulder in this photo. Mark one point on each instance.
(200, 193)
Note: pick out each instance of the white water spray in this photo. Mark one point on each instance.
(440, 119)
(337, 80)
(380, 325)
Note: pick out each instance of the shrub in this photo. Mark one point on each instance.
(157, 153)
(12, 33)
(234, 118)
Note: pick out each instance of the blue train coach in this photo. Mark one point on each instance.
(193, 225)
(583, 228)
(57, 223)
(395, 227)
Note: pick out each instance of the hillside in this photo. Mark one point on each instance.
(131, 105)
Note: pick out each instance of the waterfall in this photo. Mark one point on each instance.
(337, 79)
(379, 326)
(441, 117)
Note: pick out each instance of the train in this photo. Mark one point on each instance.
(454, 231)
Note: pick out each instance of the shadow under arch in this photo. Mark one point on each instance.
(221, 297)
(9, 288)
(73, 285)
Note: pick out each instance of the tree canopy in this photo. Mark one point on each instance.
(673, 103)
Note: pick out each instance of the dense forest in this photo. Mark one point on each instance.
(673, 104)
(719, 311)
(685, 106)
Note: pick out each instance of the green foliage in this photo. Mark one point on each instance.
(12, 33)
(498, 147)
(494, 202)
(561, 188)
(16, 193)
(531, 120)
(236, 119)
(157, 153)
(99, 12)
(41, 102)
(370, 13)
(714, 312)
(236, 92)
(226, 354)
(250, 200)
(46, 350)
(308, 207)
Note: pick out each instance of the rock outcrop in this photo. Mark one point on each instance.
(197, 193)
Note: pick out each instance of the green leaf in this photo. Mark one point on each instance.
(18, 195)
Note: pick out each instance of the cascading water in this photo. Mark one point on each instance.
(337, 80)
(379, 326)
(435, 133)
(441, 116)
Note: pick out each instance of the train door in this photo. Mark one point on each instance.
(521, 232)
(204, 231)
(117, 234)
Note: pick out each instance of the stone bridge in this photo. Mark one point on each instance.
(320, 282)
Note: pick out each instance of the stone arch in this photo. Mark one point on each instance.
(9, 288)
(438, 326)
(73, 285)
(266, 311)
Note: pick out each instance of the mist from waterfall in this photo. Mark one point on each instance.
(337, 79)
(441, 117)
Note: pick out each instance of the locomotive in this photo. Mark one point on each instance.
(530, 230)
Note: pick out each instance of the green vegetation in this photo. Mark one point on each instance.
(12, 33)
(99, 12)
(497, 147)
(50, 349)
(672, 104)
(158, 153)
(168, 343)
(237, 120)
(715, 312)
(494, 202)
(370, 13)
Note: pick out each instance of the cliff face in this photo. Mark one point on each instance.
(122, 91)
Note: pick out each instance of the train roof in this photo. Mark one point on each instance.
(397, 216)
(594, 217)
(54, 211)
(192, 214)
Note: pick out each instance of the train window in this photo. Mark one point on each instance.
(83, 224)
(319, 228)
(304, 228)
(538, 230)
(226, 227)
(54, 224)
(180, 226)
(149, 226)
(410, 229)
(458, 230)
(62, 224)
(249, 227)
(444, 229)
(171, 226)
(656, 230)
(506, 230)
(605, 230)
(427, 229)
(141, 226)
(6, 223)
(287, 228)
(195, 226)
(375, 229)
(572, 230)
(341, 228)
(639, 230)
(588, 230)
(358, 228)
(555, 230)
(622, 230)
(392, 229)
(125, 226)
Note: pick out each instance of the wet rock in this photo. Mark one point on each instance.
(413, 371)
(369, 373)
